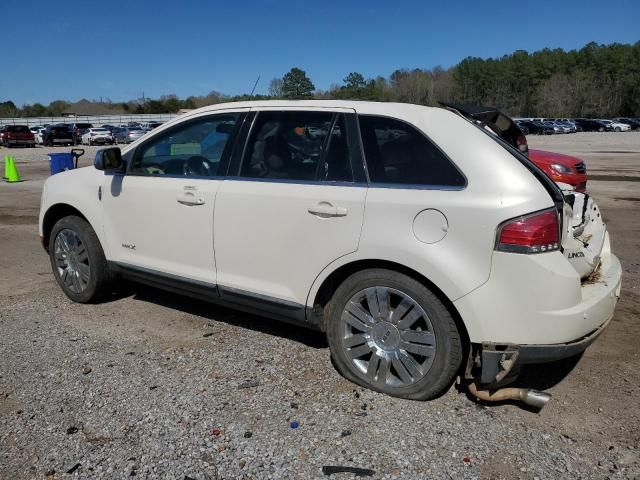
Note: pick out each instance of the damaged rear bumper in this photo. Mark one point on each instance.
(498, 361)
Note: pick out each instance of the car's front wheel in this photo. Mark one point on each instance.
(390, 333)
(78, 261)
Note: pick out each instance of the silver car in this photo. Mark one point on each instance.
(128, 135)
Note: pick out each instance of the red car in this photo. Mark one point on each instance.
(13, 135)
(561, 168)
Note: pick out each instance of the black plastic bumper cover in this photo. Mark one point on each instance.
(494, 356)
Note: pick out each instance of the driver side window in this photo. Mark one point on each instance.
(193, 148)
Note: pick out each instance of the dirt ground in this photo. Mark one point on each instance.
(590, 429)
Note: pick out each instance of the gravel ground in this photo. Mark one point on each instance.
(152, 385)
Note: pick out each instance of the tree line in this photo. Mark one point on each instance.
(594, 81)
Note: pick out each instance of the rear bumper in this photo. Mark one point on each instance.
(537, 311)
(539, 300)
(497, 361)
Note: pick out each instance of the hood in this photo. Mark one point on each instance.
(542, 156)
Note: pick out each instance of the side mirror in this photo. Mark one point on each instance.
(109, 159)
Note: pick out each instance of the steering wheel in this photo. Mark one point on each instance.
(197, 166)
(153, 169)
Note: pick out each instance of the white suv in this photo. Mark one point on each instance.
(421, 244)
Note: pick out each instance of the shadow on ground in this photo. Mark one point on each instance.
(218, 313)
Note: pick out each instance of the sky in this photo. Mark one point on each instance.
(69, 50)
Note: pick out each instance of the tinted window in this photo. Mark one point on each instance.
(286, 145)
(398, 153)
(18, 128)
(192, 149)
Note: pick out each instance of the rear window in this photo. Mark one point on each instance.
(83, 125)
(18, 129)
(99, 130)
(397, 153)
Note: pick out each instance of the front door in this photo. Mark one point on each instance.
(293, 207)
(159, 215)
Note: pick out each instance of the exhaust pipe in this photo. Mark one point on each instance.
(528, 396)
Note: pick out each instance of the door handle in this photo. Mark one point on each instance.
(190, 199)
(326, 210)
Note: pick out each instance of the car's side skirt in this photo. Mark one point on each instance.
(253, 303)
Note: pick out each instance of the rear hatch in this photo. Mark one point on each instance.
(583, 229)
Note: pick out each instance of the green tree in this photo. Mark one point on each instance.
(296, 84)
(8, 109)
(354, 81)
(58, 107)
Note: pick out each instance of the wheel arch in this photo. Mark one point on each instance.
(323, 294)
(53, 214)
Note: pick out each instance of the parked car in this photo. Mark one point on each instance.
(632, 122)
(79, 129)
(38, 136)
(570, 126)
(615, 126)
(17, 135)
(97, 136)
(552, 126)
(128, 135)
(35, 129)
(561, 168)
(57, 135)
(589, 125)
(536, 128)
(423, 245)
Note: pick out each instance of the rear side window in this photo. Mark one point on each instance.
(398, 153)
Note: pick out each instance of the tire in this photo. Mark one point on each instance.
(97, 279)
(391, 351)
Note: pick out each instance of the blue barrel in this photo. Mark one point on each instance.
(59, 162)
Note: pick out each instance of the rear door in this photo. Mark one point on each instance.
(159, 215)
(292, 204)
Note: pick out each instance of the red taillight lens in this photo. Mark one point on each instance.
(535, 233)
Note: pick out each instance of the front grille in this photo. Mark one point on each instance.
(581, 167)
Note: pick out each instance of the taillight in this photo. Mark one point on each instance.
(537, 232)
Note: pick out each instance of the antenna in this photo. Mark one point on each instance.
(255, 85)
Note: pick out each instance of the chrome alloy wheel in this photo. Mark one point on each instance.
(72, 260)
(388, 337)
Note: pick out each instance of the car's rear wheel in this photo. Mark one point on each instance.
(390, 333)
(78, 261)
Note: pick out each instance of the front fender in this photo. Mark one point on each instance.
(78, 189)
